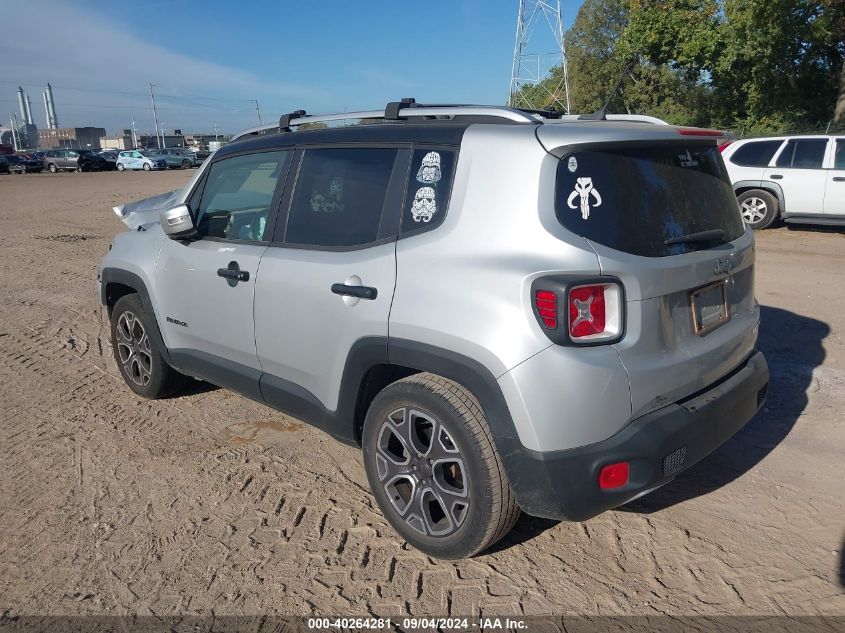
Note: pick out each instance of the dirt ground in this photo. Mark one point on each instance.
(209, 502)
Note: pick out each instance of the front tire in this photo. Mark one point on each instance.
(147, 167)
(759, 208)
(186, 164)
(137, 353)
(433, 468)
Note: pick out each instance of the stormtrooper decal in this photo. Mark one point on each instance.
(424, 206)
(429, 171)
(584, 188)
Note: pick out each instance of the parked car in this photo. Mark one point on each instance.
(134, 159)
(797, 179)
(175, 157)
(91, 161)
(598, 341)
(21, 165)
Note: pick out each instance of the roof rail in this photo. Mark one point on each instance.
(638, 118)
(404, 109)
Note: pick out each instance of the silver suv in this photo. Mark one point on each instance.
(504, 310)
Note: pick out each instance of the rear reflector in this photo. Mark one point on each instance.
(595, 312)
(546, 303)
(613, 476)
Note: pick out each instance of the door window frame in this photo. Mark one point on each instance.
(195, 196)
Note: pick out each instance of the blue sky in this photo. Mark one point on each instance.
(208, 59)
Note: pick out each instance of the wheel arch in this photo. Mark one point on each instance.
(116, 283)
(772, 187)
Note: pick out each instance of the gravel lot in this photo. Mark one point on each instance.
(211, 502)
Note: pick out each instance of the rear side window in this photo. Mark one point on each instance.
(238, 194)
(339, 196)
(806, 153)
(755, 153)
(430, 181)
(633, 199)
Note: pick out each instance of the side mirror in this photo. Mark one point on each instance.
(177, 222)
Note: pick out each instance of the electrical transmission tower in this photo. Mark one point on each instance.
(532, 66)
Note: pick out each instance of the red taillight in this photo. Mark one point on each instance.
(724, 146)
(546, 304)
(613, 476)
(697, 131)
(587, 313)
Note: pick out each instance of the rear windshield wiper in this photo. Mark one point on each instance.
(702, 236)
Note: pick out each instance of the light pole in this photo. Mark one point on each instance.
(155, 115)
(257, 109)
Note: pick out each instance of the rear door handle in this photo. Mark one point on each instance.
(776, 177)
(839, 179)
(362, 292)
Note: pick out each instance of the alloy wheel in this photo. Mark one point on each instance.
(753, 210)
(422, 472)
(133, 347)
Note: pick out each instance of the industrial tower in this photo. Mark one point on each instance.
(530, 65)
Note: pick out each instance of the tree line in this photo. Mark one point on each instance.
(751, 66)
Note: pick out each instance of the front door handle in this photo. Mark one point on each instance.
(362, 292)
(839, 179)
(776, 177)
(233, 273)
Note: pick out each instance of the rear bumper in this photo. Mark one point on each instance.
(658, 446)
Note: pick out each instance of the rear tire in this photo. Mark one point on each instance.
(137, 352)
(433, 468)
(186, 164)
(759, 208)
(120, 167)
(52, 167)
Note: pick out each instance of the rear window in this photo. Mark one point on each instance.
(755, 153)
(633, 199)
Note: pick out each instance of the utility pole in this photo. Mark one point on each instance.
(134, 133)
(215, 131)
(532, 65)
(258, 110)
(155, 115)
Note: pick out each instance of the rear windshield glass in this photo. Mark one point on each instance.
(633, 199)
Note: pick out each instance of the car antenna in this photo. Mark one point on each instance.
(601, 114)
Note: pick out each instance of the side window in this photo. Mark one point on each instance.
(806, 153)
(339, 196)
(430, 182)
(238, 193)
(839, 156)
(72, 154)
(755, 153)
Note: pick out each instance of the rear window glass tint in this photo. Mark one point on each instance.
(430, 181)
(633, 199)
(755, 154)
(803, 153)
(339, 196)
